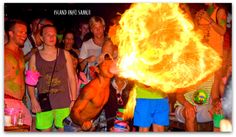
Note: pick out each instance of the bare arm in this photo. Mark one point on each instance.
(71, 75)
(80, 104)
(180, 97)
(220, 25)
(78, 107)
(84, 62)
(34, 102)
(215, 93)
(28, 55)
(188, 106)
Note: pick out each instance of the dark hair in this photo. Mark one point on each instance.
(47, 26)
(73, 53)
(82, 22)
(43, 20)
(95, 19)
(64, 35)
(68, 31)
(11, 24)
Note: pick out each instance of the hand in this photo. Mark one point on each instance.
(35, 106)
(72, 104)
(202, 17)
(204, 27)
(206, 16)
(216, 107)
(91, 58)
(198, 15)
(34, 50)
(87, 125)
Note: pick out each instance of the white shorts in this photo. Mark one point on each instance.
(202, 115)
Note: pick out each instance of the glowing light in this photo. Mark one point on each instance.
(158, 47)
(129, 108)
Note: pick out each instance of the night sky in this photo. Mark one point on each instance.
(63, 14)
(29, 11)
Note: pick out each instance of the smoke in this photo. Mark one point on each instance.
(227, 99)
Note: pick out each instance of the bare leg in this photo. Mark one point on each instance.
(158, 128)
(60, 129)
(47, 130)
(190, 120)
(216, 129)
(32, 128)
(143, 129)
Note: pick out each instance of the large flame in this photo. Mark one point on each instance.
(158, 47)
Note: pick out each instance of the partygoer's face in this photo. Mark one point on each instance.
(84, 29)
(69, 41)
(19, 34)
(34, 25)
(49, 36)
(98, 30)
(105, 68)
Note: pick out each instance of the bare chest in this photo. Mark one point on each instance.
(101, 97)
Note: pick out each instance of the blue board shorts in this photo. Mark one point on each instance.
(151, 111)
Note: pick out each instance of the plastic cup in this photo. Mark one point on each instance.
(216, 119)
(13, 113)
(7, 121)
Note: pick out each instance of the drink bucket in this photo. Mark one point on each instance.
(32, 77)
(11, 116)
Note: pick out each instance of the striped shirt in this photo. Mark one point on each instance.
(206, 86)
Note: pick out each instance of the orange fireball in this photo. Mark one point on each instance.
(159, 48)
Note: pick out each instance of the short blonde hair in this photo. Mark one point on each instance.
(95, 19)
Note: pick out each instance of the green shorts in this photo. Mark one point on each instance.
(44, 120)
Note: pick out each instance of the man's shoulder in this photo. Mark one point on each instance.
(89, 90)
(8, 53)
(10, 59)
(88, 42)
(93, 84)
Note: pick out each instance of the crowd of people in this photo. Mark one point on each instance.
(77, 91)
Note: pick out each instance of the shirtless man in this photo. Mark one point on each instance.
(14, 85)
(93, 96)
